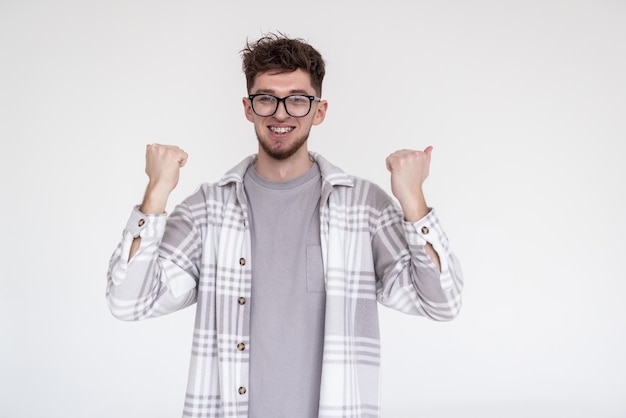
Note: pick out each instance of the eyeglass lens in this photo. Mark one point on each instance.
(295, 105)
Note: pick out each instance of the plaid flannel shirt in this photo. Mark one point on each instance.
(201, 254)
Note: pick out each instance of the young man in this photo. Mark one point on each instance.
(286, 257)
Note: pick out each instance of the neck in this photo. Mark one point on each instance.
(283, 170)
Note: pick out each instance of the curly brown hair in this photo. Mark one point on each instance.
(279, 53)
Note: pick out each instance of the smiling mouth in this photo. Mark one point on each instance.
(281, 130)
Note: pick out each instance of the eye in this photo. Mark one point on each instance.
(298, 100)
(265, 99)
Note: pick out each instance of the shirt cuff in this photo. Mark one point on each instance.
(423, 231)
(429, 230)
(143, 225)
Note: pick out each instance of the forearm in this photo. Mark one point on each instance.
(154, 203)
(433, 255)
(134, 247)
(424, 276)
(140, 287)
(415, 209)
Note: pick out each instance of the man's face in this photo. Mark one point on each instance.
(280, 135)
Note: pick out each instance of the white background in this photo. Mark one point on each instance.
(524, 103)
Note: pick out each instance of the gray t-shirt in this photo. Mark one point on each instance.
(288, 296)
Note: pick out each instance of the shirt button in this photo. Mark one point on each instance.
(242, 261)
(425, 230)
(241, 300)
(241, 346)
(242, 390)
(141, 222)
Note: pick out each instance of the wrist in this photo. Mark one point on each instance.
(154, 201)
(415, 209)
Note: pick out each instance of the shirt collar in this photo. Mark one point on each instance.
(330, 173)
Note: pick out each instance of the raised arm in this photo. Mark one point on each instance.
(163, 164)
(409, 169)
(154, 269)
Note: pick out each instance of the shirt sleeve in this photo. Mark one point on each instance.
(161, 276)
(407, 279)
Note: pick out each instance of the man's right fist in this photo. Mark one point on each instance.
(163, 163)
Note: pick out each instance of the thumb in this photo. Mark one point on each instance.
(428, 150)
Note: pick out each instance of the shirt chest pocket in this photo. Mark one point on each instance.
(314, 269)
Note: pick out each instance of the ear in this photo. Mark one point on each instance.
(320, 112)
(247, 108)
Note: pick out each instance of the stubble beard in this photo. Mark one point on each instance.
(282, 153)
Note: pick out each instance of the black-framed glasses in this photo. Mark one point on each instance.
(296, 105)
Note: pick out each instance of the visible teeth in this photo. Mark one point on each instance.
(281, 130)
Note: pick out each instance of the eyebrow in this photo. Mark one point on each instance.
(273, 92)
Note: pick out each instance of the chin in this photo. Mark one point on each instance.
(279, 154)
(282, 152)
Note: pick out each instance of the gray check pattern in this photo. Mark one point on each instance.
(201, 254)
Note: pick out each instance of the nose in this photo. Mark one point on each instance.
(281, 111)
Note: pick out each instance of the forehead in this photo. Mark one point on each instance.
(298, 81)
